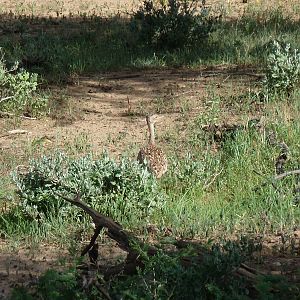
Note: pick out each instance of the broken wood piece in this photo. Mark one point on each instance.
(126, 241)
(8, 114)
(18, 131)
(6, 98)
(15, 131)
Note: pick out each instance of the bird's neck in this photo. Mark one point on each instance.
(151, 133)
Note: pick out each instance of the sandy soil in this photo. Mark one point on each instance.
(110, 109)
(107, 7)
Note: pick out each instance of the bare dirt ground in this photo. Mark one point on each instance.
(108, 110)
(108, 7)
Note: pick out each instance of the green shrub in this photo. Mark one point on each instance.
(283, 69)
(18, 90)
(172, 24)
(121, 190)
(167, 277)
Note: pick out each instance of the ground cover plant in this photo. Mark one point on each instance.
(19, 90)
(223, 223)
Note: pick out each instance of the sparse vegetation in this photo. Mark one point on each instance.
(19, 90)
(231, 136)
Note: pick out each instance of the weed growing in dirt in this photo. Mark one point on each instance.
(53, 285)
(283, 69)
(19, 91)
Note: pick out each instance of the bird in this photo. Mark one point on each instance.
(151, 155)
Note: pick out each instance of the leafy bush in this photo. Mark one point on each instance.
(283, 69)
(166, 277)
(172, 24)
(121, 190)
(18, 90)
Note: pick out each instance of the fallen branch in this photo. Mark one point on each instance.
(5, 113)
(15, 131)
(115, 231)
(277, 177)
(6, 98)
(126, 241)
(288, 173)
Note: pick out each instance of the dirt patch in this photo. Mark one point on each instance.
(23, 266)
(108, 111)
(233, 8)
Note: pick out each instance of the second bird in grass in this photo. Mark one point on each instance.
(152, 155)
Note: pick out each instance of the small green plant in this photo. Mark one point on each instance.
(266, 285)
(172, 24)
(121, 190)
(53, 285)
(18, 90)
(283, 69)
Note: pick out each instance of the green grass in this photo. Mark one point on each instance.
(108, 44)
(205, 195)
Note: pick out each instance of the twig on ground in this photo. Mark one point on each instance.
(6, 98)
(5, 113)
(208, 184)
(15, 131)
(288, 173)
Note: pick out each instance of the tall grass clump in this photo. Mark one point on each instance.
(233, 190)
(124, 191)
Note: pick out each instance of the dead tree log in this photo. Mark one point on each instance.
(124, 239)
(126, 242)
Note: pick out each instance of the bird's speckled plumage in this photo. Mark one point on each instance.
(152, 155)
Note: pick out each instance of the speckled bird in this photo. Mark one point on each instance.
(152, 155)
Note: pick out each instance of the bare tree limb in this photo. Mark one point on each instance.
(6, 98)
(5, 113)
(288, 173)
(92, 242)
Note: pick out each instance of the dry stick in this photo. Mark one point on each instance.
(16, 131)
(123, 238)
(115, 230)
(92, 242)
(13, 115)
(288, 173)
(6, 98)
(207, 185)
